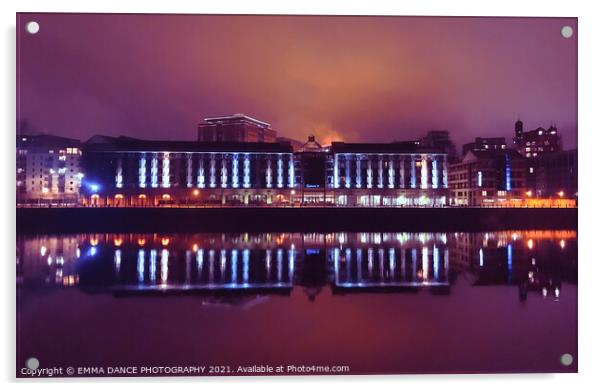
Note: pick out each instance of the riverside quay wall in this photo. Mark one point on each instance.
(309, 219)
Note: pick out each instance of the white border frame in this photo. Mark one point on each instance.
(589, 68)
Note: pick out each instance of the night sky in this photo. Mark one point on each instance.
(372, 79)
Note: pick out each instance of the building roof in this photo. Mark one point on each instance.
(534, 134)
(473, 156)
(127, 144)
(394, 147)
(45, 140)
(239, 117)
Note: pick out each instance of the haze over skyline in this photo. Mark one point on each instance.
(356, 79)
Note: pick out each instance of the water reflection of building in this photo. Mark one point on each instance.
(234, 269)
(531, 260)
(391, 261)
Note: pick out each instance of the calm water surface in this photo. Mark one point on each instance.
(387, 302)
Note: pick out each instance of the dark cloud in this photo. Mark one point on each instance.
(352, 78)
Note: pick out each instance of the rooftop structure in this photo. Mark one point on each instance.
(235, 128)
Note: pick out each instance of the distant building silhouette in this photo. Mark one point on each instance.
(485, 144)
(439, 139)
(536, 142)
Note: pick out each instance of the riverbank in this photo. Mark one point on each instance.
(71, 220)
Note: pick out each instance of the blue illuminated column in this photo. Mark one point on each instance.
(392, 263)
(200, 258)
(279, 264)
(117, 261)
(189, 170)
(280, 172)
(153, 265)
(268, 173)
(348, 264)
(347, 171)
(480, 179)
(201, 174)
(142, 170)
(234, 259)
(245, 266)
(246, 172)
(268, 262)
(140, 266)
(436, 263)
(435, 174)
(402, 173)
(445, 172)
(358, 171)
(336, 171)
(380, 172)
(291, 171)
(337, 259)
(358, 257)
(165, 170)
(481, 257)
(224, 172)
(164, 265)
(291, 264)
(391, 173)
(119, 174)
(424, 175)
(370, 262)
(235, 170)
(212, 171)
(369, 174)
(154, 171)
(222, 264)
(413, 173)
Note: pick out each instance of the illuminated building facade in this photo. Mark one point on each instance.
(48, 169)
(237, 128)
(393, 174)
(492, 178)
(129, 172)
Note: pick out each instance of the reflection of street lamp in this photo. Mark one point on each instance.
(195, 192)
